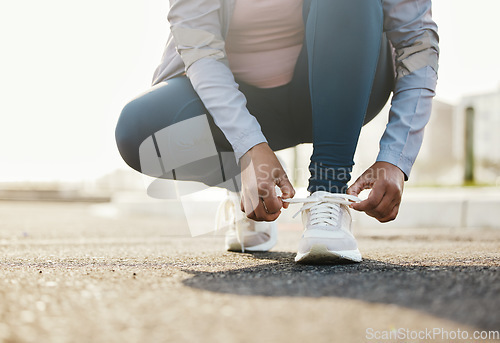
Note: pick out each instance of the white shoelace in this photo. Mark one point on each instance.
(324, 207)
(226, 216)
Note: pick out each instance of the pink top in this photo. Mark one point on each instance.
(264, 41)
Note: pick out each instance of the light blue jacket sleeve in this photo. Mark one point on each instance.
(413, 33)
(198, 37)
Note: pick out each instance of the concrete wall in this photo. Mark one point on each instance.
(436, 163)
(486, 135)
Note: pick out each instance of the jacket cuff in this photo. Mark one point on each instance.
(247, 141)
(397, 159)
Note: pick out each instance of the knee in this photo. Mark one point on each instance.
(127, 135)
(383, 83)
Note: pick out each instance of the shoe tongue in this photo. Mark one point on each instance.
(325, 206)
(320, 193)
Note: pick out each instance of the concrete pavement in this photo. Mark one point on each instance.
(69, 275)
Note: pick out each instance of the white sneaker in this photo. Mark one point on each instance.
(327, 236)
(244, 234)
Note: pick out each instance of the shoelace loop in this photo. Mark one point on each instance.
(324, 207)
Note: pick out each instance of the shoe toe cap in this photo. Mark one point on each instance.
(339, 243)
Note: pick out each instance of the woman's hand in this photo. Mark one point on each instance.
(260, 172)
(386, 181)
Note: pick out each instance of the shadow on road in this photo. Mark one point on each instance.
(467, 294)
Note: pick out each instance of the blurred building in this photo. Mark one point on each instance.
(480, 114)
(439, 162)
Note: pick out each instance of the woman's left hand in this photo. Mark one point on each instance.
(260, 172)
(386, 182)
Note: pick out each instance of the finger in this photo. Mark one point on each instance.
(256, 209)
(262, 215)
(373, 199)
(392, 215)
(285, 204)
(260, 211)
(267, 195)
(252, 216)
(386, 205)
(286, 188)
(287, 191)
(357, 186)
(392, 197)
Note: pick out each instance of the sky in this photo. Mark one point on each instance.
(68, 67)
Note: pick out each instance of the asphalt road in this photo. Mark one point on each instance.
(67, 275)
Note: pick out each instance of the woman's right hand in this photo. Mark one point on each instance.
(260, 173)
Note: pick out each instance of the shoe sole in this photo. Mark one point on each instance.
(319, 254)
(266, 246)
